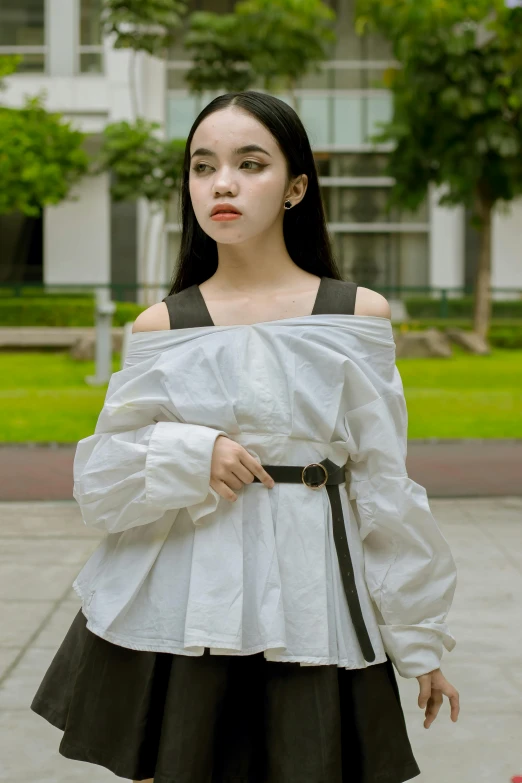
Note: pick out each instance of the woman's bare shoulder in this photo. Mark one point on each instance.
(154, 318)
(368, 302)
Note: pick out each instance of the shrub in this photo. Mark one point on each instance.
(428, 307)
(60, 311)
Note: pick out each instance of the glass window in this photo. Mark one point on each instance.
(356, 116)
(314, 116)
(366, 205)
(348, 120)
(91, 50)
(181, 113)
(364, 164)
(379, 109)
(380, 260)
(22, 32)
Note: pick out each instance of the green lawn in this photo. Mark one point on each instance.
(44, 396)
(464, 396)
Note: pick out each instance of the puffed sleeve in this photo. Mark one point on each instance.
(125, 476)
(410, 571)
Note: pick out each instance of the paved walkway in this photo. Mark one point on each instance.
(467, 468)
(38, 337)
(44, 545)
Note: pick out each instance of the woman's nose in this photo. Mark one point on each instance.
(224, 181)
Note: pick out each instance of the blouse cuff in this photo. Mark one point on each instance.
(177, 471)
(416, 649)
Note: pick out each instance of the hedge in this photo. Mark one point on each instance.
(60, 311)
(428, 307)
(66, 311)
(502, 333)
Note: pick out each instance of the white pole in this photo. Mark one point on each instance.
(103, 350)
(127, 331)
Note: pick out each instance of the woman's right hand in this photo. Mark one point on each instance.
(232, 466)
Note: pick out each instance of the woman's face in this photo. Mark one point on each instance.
(253, 180)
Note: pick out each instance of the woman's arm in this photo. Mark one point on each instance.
(137, 466)
(130, 478)
(410, 572)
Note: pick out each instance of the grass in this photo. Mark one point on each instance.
(464, 396)
(44, 396)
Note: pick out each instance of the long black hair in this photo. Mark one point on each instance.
(304, 226)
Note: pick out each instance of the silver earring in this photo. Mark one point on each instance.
(288, 205)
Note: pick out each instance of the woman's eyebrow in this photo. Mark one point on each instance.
(238, 151)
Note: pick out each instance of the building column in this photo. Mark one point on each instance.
(77, 235)
(62, 35)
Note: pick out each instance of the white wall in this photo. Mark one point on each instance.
(507, 247)
(77, 234)
(446, 243)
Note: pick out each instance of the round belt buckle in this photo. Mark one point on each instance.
(319, 464)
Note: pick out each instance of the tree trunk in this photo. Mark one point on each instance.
(22, 248)
(482, 301)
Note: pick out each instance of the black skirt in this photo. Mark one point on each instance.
(222, 718)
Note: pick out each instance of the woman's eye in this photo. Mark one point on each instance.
(205, 165)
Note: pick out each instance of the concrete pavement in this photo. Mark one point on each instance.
(44, 545)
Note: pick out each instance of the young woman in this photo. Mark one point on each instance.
(268, 558)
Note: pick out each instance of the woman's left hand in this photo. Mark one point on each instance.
(432, 688)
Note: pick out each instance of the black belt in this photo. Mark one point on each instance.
(328, 474)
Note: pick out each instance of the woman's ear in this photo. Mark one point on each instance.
(297, 189)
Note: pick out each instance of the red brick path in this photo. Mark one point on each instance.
(479, 468)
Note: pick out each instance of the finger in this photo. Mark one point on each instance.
(232, 480)
(434, 705)
(227, 472)
(257, 469)
(454, 700)
(243, 473)
(223, 489)
(424, 690)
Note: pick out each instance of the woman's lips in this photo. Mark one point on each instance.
(225, 216)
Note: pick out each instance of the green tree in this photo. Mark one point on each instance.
(457, 119)
(143, 165)
(8, 65)
(41, 158)
(142, 26)
(275, 41)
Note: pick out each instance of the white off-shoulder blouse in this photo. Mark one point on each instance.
(182, 568)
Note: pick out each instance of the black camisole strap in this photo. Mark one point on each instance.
(187, 308)
(335, 296)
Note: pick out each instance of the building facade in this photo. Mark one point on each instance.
(90, 240)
